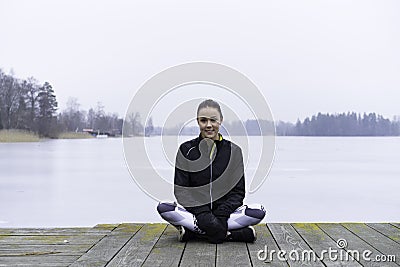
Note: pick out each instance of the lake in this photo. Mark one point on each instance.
(63, 183)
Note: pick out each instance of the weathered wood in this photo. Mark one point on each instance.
(135, 252)
(60, 250)
(43, 260)
(156, 245)
(107, 226)
(50, 239)
(199, 253)
(396, 224)
(101, 253)
(385, 245)
(167, 251)
(232, 254)
(354, 243)
(264, 242)
(127, 228)
(291, 242)
(387, 229)
(54, 231)
(319, 241)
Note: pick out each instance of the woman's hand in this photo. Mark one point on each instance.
(215, 227)
(207, 222)
(223, 222)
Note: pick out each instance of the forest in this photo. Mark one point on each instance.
(28, 105)
(342, 124)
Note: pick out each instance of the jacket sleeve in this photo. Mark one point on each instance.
(182, 195)
(234, 198)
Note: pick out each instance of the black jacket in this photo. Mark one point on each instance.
(194, 170)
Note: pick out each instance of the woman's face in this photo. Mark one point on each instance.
(209, 121)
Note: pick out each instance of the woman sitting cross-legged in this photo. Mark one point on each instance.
(209, 185)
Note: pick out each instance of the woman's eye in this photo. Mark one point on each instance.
(205, 120)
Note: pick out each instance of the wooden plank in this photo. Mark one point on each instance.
(167, 251)
(44, 260)
(156, 245)
(101, 253)
(379, 241)
(54, 231)
(354, 243)
(232, 254)
(199, 253)
(50, 239)
(135, 252)
(292, 243)
(107, 226)
(396, 224)
(320, 243)
(61, 250)
(387, 229)
(264, 242)
(127, 228)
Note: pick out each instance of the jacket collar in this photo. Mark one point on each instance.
(220, 138)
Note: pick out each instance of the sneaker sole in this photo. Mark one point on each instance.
(254, 233)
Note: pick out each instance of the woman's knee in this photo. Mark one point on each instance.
(257, 212)
(165, 207)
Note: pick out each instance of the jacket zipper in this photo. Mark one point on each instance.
(211, 173)
(211, 198)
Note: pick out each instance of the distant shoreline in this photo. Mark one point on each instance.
(20, 136)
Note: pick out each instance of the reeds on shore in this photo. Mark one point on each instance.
(74, 135)
(13, 136)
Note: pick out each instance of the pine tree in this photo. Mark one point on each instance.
(47, 110)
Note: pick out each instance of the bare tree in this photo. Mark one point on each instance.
(134, 126)
(10, 93)
(149, 127)
(90, 118)
(72, 118)
(31, 91)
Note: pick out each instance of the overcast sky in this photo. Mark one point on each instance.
(305, 56)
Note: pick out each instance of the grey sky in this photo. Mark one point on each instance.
(305, 56)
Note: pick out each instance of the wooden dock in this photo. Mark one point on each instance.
(157, 245)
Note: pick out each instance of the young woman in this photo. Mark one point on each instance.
(209, 184)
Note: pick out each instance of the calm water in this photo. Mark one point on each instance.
(86, 182)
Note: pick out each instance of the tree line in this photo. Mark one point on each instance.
(26, 104)
(343, 124)
(29, 105)
(74, 119)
